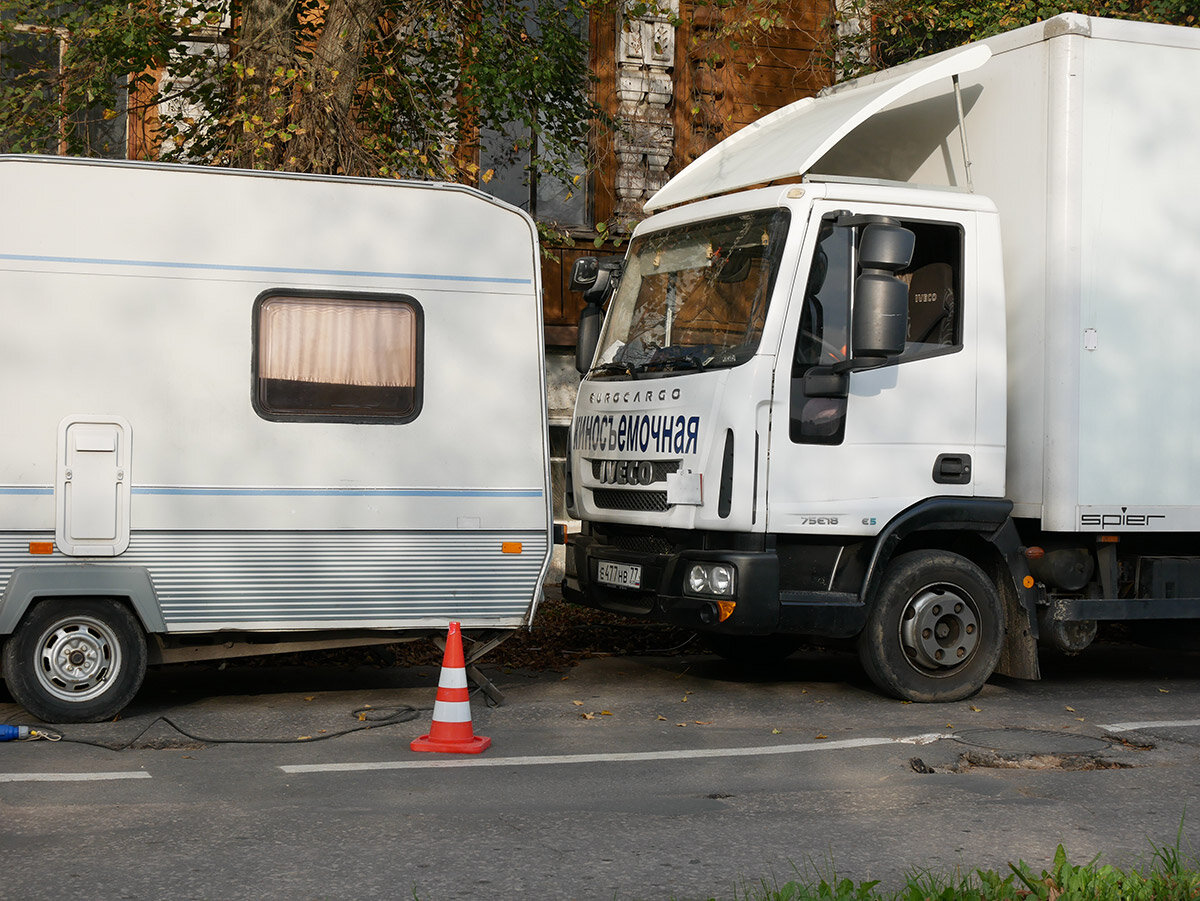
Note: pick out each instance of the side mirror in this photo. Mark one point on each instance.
(886, 247)
(880, 319)
(880, 323)
(584, 272)
(595, 278)
(591, 318)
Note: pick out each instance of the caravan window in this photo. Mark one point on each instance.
(349, 358)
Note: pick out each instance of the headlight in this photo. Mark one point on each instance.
(711, 579)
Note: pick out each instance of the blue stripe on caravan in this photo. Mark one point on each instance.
(341, 492)
(273, 270)
(21, 489)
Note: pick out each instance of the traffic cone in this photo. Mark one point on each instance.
(451, 732)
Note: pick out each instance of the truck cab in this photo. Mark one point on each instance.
(783, 375)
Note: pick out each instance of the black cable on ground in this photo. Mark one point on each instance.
(371, 716)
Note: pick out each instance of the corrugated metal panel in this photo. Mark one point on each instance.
(299, 580)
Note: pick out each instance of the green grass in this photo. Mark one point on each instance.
(1169, 876)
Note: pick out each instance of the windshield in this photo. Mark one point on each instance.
(694, 297)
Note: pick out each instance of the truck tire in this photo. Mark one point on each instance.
(75, 661)
(935, 630)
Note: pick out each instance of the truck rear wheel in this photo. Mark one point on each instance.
(75, 661)
(936, 629)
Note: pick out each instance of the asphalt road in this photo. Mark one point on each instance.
(652, 777)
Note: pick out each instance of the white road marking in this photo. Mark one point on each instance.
(619, 757)
(1154, 724)
(70, 777)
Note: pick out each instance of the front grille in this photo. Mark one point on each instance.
(642, 544)
(641, 501)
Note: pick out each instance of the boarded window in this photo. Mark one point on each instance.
(348, 358)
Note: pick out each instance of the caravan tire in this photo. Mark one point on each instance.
(75, 661)
(936, 628)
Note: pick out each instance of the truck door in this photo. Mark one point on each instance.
(91, 492)
(846, 460)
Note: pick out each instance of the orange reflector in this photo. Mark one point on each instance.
(725, 610)
(510, 547)
(1109, 539)
(1034, 553)
(41, 547)
(1027, 581)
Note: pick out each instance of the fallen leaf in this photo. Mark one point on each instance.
(777, 732)
(821, 735)
(703, 722)
(577, 703)
(606, 713)
(1165, 691)
(1079, 718)
(312, 698)
(683, 700)
(564, 678)
(949, 725)
(681, 724)
(1072, 709)
(906, 702)
(304, 738)
(662, 718)
(588, 716)
(974, 709)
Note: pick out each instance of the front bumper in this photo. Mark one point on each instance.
(764, 605)
(664, 564)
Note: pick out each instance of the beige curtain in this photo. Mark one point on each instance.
(342, 342)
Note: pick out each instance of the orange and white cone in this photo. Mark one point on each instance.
(451, 732)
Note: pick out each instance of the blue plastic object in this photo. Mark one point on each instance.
(8, 733)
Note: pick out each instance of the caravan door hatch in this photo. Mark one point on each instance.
(92, 486)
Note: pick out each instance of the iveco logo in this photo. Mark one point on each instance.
(626, 472)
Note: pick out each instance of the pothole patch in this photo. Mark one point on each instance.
(973, 760)
(1028, 749)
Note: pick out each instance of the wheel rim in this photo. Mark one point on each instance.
(78, 659)
(939, 629)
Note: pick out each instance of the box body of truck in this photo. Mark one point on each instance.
(751, 459)
(287, 407)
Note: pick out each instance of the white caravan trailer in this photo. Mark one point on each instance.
(309, 410)
(870, 403)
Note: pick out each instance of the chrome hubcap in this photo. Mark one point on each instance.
(78, 658)
(939, 629)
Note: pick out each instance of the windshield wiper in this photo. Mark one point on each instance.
(614, 366)
(672, 363)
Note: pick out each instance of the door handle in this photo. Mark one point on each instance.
(952, 469)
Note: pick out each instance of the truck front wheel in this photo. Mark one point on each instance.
(936, 629)
(75, 661)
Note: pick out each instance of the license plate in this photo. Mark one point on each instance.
(619, 575)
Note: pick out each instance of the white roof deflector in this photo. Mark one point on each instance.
(786, 143)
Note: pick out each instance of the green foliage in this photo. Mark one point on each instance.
(362, 87)
(1170, 877)
(875, 34)
(65, 69)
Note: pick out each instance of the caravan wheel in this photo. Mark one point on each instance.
(75, 661)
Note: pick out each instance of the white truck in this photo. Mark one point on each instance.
(250, 412)
(932, 389)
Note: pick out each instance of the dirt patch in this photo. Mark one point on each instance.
(562, 635)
